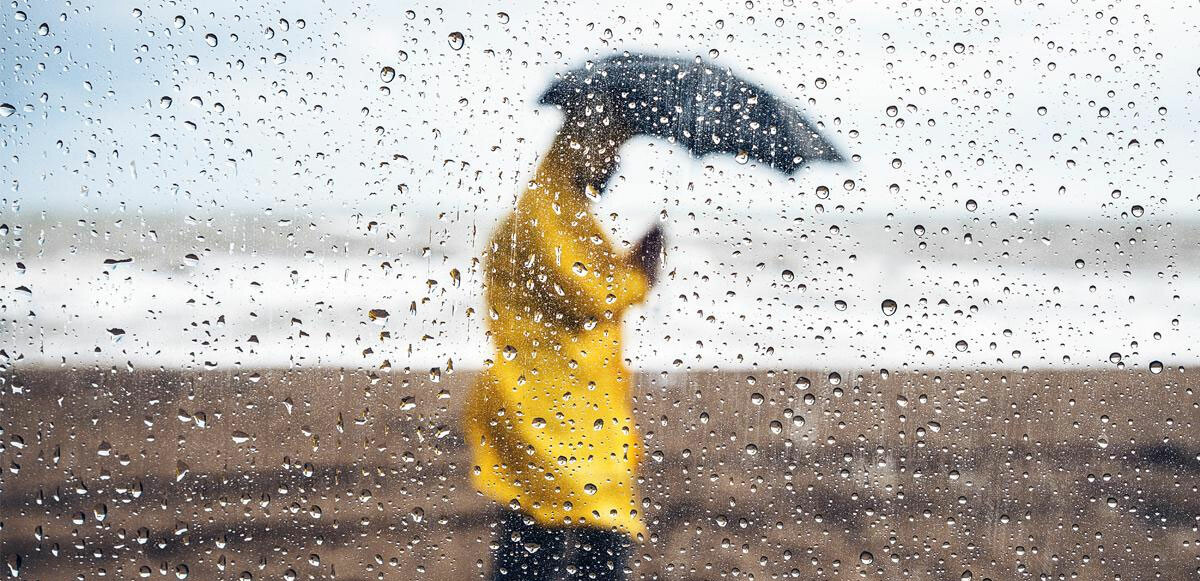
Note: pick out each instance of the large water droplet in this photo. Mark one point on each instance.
(456, 40)
(888, 306)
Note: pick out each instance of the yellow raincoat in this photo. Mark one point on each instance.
(550, 421)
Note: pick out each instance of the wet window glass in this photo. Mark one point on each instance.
(609, 291)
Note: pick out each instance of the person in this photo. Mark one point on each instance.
(550, 421)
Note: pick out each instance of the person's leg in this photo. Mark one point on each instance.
(528, 551)
(599, 555)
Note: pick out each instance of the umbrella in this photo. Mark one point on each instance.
(705, 108)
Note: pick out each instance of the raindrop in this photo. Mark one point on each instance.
(866, 558)
(210, 39)
(820, 82)
(788, 276)
(387, 74)
(1156, 367)
(7, 110)
(456, 40)
(510, 352)
(839, 305)
(1079, 263)
(972, 205)
(959, 47)
(44, 29)
(961, 345)
(180, 21)
(835, 378)
(742, 157)
(888, 306)
(1137, 211)
(502, 17)
(165, 102)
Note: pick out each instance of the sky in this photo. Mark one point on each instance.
(1034, 135)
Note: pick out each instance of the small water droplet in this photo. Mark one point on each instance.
(387, 74)
(502, 17)
(866, 558)
(165, 102)
(820, 83)
(210, 39)
(961, 345)
(456, 40)
(788, 276)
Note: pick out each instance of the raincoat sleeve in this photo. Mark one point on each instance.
(594, 275)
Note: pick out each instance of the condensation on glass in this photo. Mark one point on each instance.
(244, 306)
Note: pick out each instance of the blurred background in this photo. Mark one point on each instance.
(961, 355)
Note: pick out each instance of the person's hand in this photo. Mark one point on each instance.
(647, 253)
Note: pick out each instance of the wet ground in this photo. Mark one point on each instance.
(752, 475)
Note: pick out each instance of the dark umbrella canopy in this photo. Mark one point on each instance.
(702, 107)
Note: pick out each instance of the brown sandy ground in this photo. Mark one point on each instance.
(351, 474)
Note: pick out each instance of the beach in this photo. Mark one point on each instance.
(361, 474)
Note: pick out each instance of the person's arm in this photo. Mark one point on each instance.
(603, 281)
(647, 253)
